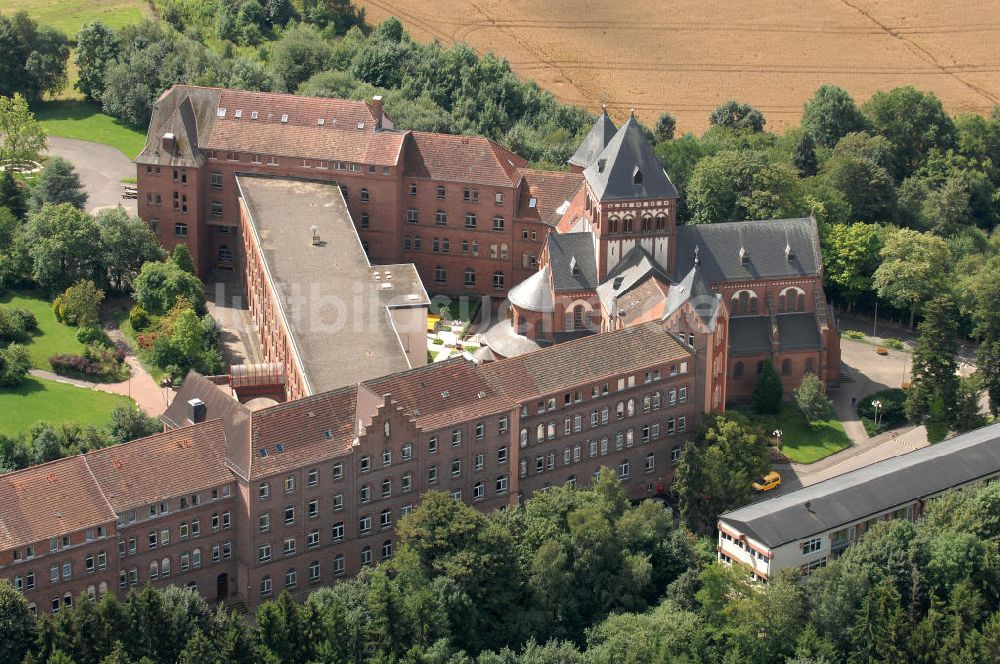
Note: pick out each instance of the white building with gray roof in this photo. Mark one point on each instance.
(808, 527)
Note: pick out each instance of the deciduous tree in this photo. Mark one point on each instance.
(913, 269)
(830, 115)
(23, 137)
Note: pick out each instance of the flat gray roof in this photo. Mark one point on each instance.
(335, 303)
(871, 490)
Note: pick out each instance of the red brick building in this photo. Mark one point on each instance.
(464, 210)
(243, 502)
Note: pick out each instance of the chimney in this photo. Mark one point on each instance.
(315, 235)
(377, 111)
(196, 410)
(169, 143)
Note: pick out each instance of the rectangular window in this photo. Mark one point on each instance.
(312, 539)
(216, 180)
(180, 230)
(432, 475)
(365, 525)
(338, 470)
(264, 553)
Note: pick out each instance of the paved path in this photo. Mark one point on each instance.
(101, 169)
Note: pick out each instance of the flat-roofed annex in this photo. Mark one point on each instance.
(336, 305)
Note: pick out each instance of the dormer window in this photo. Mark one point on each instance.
(789, 254)
(601, 164)
(284, 119)
(636, 176)
(253, 115)
(574, 267)
(744, 256)
(221, 112)
(320, 121)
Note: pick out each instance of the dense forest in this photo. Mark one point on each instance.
(573, 577)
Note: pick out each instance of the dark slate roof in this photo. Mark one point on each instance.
(612, 175)
(749, 334)
(871, 490)
(719, 249)
(692, 288)
(798, 331)
(189, 114)
(562, 249)
(628, 274)
(534, 293)
(595, 141)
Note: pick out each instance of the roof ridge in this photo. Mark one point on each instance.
(100, 489)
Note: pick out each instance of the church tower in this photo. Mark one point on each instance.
(630, 200)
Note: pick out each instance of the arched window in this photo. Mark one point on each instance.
(498, 280)
(620, 410)
(154, 570)
(627, 225)
(613, 225)
(578, 317)
(786, 367)
(540, 433)
(571, 481)
(647, 223)
(386, 549)
(810, 367)
(661, 222)
(470, 277)
(103, 587)
(165, 567)
(440, 275)
(738, 370)
(631, 407)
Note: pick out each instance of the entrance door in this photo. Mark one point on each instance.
(222, 587)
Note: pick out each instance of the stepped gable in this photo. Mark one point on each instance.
(443, 393)
(594, 142)
(450, 158)
(627, 169)
(50, 500)
(172, 463)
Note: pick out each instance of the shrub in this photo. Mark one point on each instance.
(14, 365)
(90, 335)
(437, 341)
(11, 327)
(895, 344)
(95, 363)
(23, 318)
(147, 339)
(891, 415)
(79, 304)
(854, 334)
(138, 318)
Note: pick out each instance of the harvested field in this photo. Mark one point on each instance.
(687, 56)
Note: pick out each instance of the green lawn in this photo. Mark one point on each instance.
(804, 444)
(52, 337)
(54, 402)
(800, 442)
(70, 15)
(77, 119)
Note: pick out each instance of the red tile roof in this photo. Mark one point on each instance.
(579, 362)
(442, 394)
(550, 189)
(301, 111)
(173, 463)
(308, 142)
(49, 500)
(310, 431)
(451, 158)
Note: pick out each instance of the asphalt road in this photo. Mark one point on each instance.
(101, 170)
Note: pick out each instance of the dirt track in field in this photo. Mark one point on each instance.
(688, 56)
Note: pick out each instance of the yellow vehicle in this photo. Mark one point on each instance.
(770, 481)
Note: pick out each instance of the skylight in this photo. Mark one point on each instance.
(262, 452)
(239, 113)
(221, 112)
(279, 447)
(284, 118)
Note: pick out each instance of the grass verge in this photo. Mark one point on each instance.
(52, 337)
(54, 402)
(77, 119)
